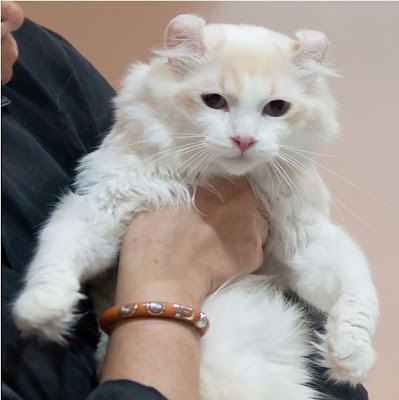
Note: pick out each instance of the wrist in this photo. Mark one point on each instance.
(145, 289)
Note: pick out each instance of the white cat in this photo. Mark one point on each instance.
(221, 100)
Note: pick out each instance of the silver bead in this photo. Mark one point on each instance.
(155, 308)
(183, 312)
(128, 309)
(202, 322)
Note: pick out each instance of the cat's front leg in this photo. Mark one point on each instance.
(332, 273)
(78, 241)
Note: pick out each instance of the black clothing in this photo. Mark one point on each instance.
(124, 390)
(56, 109)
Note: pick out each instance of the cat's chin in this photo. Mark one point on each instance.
(236, 165)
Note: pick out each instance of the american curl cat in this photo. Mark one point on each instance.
(223, 100)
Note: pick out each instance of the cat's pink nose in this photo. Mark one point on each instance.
(243, 142)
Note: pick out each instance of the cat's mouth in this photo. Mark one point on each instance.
(237, 165)
(239, 158)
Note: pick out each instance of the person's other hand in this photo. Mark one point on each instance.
(12, 17)
(182, 255)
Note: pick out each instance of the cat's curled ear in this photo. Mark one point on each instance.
(311, 46)
(310, 50)
(184, 44)
(185, 30)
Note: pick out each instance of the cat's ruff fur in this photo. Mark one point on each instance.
(159, 109)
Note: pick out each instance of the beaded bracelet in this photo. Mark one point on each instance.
(155, 309)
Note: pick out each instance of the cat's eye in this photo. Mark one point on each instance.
(214, 100)
(276, 108)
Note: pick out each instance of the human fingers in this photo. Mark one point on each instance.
(12, 17)
(9, 54)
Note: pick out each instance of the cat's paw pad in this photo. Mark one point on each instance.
(46, 313)
(348, 353)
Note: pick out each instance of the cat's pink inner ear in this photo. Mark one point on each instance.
(311, 45)
(185, 30)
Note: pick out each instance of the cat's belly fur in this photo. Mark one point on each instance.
(255, 348)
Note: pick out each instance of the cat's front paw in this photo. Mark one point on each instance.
(347, 352)
(45, 312)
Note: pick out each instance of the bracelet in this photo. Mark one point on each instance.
(155, 309)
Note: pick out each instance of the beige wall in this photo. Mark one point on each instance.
(364, 37)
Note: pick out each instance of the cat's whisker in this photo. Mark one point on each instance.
(288, 147)
(352, 213)
(212, 189)
(175, 149)
(211, 158)
(293, 162)
(208, 159)
(299, 168)
(164, 157)
(148, 143)
(205, 165)
(299, 197)
(279, 168)
(183, 164)
(159, 155)
(193, 202)
(333, 198)
(188, 136)
(207, 185)
(193, 171)
(171, 157)
(200, 167)
(133, 144)
(296, 166)
(192, 160)
(171, 153)
(277, 174)
(342, 178)
(295, 190)
(269, 174)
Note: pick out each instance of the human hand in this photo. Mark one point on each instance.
(12, 17)
(182, 256)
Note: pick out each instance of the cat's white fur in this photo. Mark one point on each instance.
(257, 344)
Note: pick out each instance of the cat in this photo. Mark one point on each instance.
(221, 100)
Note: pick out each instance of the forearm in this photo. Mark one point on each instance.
(160, 353)
(165, 354)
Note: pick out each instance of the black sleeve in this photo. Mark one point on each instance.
(60, 109)
(57, 108)
(124, 390)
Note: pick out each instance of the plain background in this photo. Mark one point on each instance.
(364, 39)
